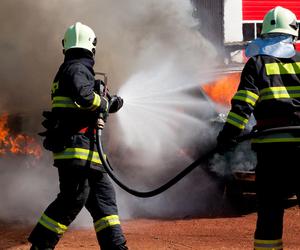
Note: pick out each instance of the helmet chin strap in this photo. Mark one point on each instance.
(63, 44)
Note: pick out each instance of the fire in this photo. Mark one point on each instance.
(222, 90)
(21, 144)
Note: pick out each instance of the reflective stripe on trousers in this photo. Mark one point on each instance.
(268, 244)
(52, 225)
(105, 222)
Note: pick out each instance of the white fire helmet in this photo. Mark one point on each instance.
(280, 20)
(79, 35)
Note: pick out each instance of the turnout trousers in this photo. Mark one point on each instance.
(81, 187)
(277, 178)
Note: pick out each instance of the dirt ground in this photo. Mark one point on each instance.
(225, 232)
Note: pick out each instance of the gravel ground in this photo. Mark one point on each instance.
(225, 232)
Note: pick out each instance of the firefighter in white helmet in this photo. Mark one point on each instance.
(270, 90)
(76, 105)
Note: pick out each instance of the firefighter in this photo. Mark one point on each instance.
(270, 90)
(76, 105)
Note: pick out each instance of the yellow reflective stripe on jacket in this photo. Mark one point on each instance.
(78, 153)
(105, 222)
(282, 68)
(96, 102)
(268, 244)
(63, 102)
(52, 225)
(279, 92)
(282, 137)
(270, 140)
(236, 120)
(246, 96)
(67, 102)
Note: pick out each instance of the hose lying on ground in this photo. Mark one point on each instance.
(184, 172)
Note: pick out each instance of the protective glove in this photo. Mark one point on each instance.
(104, 108)
(225, 143)
(116, 102)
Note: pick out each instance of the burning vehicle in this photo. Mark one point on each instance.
(238, 176)
(238, 181)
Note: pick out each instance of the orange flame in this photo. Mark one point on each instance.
(17, 144)
(222, 90)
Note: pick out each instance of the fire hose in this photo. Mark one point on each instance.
(188, 169)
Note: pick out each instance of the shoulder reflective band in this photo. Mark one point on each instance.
(268, 244)
(236, 120)
(52, 225)
(279, 92)
(246, 96)
(78, 153)
(283, 68)
(105, 222)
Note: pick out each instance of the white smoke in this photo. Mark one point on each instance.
(241, 158)
(28, 185)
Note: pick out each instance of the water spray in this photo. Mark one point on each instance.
(185, 171)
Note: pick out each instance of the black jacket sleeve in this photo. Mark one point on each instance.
(242, 103)
(83, 89)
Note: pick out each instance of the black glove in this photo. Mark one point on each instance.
(102, 111)
(115, 104)
(225, 143)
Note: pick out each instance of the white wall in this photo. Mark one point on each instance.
(233, 21)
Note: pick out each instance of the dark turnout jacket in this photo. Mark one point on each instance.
(76, 105)
(270, 89)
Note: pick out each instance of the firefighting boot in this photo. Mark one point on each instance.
(123, 247)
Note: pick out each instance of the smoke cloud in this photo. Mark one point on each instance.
(155, 58)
